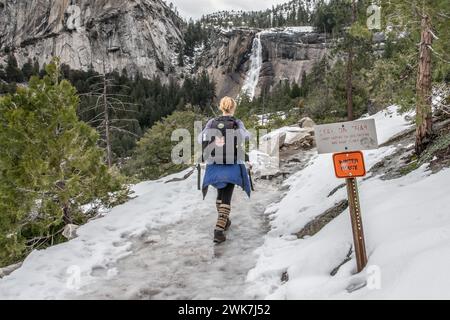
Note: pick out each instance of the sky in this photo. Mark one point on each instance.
(196, 8)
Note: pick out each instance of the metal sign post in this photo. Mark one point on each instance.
(344, 137)
(349, 166)
(357, 225)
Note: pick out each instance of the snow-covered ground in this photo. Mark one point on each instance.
(61, 270)
(407, 227)
(159, 245)
(289, 30)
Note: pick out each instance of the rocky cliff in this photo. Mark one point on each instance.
(227, 60)
(136, 35)
(145, 36)
(286, 54)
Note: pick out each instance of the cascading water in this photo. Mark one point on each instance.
(252, 77)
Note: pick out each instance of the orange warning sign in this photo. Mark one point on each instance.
(349, 164)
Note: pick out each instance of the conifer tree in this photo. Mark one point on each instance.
(423, 22)
(50, 166)
(13, 73)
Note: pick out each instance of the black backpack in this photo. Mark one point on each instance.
(220, 143)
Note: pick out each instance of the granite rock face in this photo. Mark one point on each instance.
(227, 59)
(286, 55)
(145, 36)
(136, 35)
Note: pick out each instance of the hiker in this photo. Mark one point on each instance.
(223, 142)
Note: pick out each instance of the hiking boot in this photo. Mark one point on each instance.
(219, 236)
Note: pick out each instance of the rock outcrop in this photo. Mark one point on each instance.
(136, 35)
(285, 141)
(145, 36)
(226, 61)
(287, 54)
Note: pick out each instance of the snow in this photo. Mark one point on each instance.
(289, 30)
(159, 245)
(46, 274)
(389, 123)
(292, 134)
(406, 225)
(407, 238)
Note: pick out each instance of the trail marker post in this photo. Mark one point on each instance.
(342, 139)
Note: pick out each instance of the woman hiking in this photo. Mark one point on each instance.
(223, 142)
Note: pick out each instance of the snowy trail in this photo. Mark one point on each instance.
(156, 246)
(180, 261)
(159, 245)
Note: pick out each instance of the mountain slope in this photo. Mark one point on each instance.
(291, 13)
(139, 35)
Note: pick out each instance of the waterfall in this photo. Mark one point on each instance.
(252, 77)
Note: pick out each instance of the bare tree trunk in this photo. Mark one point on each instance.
(67, 217)
(424, 118)
(107, 124)
(349, 85)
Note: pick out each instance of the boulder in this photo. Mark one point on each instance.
(70, 231)
(271, 143)
(6, 271)
(264, 165)
(296, 135)
(307, 123)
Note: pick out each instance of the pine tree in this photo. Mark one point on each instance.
(181, 56)
(296, 91)
(36, 68)
(424, 22)
(114, 114)
(27, 69)
(424, 113)
(13, 73)
(349, 86)
(152, 157)
(50, 166)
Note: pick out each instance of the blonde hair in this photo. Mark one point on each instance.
(227, 105)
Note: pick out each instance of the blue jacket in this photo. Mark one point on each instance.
(219, 175)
